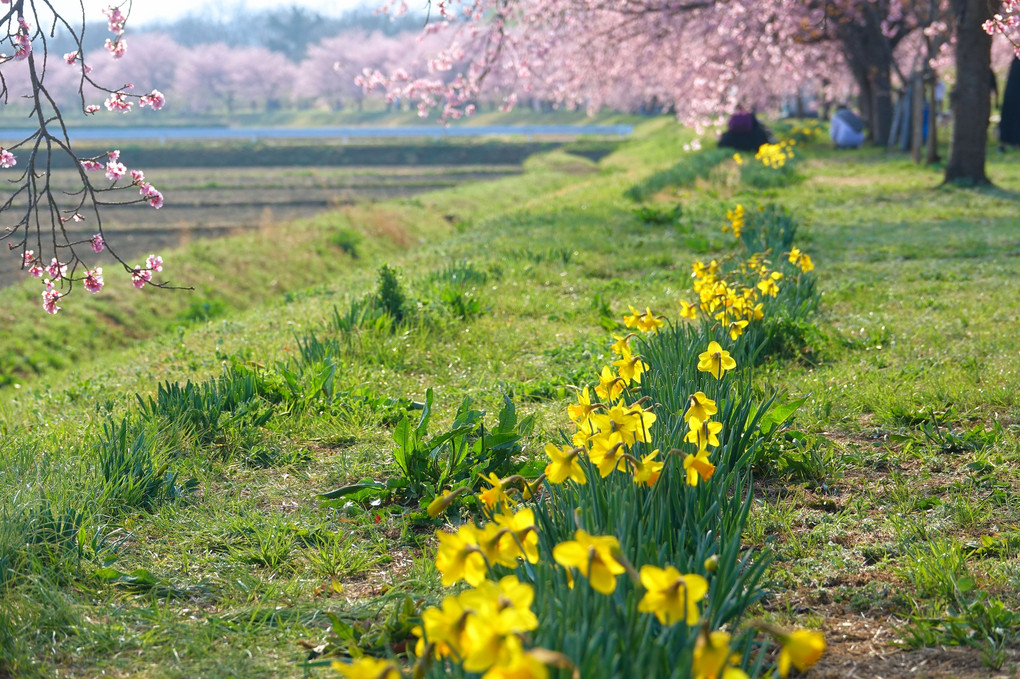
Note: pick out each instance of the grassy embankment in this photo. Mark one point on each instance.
(895, 499)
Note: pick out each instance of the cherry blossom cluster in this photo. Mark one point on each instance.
(71, 58)
(118, 45)
(1006, 23)
(116, 170)
(22, 40)
(93, 280)
(699, 59)
(67, 267)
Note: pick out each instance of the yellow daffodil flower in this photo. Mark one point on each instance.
(366, 667)
(506, 605)
(802, 648)
(564, 465)
(688, 311)
(632, 320)
(736, 329)
(630, 421)
(519, 665)
(715, 360)
(647, 469)
(698, 466)
(459, 556)
(621, 344)
(494, 495)
(699, 408)
(606, 452)
(592, 555)
(630, 368)
(521, 533)
(713, 659)
(703, 434)
(648, 322)
(444, 626)
(671, 596)
(610, 386)
(577, 412)
(768, 287)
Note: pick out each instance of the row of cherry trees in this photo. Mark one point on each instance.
(706, 56)
(220, 78)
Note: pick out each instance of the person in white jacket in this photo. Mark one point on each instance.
(846, 129)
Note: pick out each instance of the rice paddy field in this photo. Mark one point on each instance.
(660, 413)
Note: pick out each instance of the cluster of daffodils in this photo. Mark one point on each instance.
(736, 296)
(488, 627)
(806, 130)
(774, 156)
(734, 304)
(483, 628)
(736, 220)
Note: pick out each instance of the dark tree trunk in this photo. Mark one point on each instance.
(882, 101)
(932, 149)
(971, 100)
(864, 100)
(869, 54)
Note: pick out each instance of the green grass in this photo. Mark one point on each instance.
(899, 485)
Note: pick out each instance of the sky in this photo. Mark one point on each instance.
(153, 11)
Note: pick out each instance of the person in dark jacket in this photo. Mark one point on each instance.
(745, 133)
(1009, 125)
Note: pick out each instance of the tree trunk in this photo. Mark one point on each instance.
(932, 150)
(971, 98)
(882, 101)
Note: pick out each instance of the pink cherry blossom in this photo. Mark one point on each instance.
(155, 99)
(91, 165)
(97, 243)
(50, 297)
(118, 102)
(137, 177)
(154, 262)
(116, 19)
(140, 276)
(116, 48)
(7, 158)
(35, 271)
(29, 256)
(91, 108)
(56, 269)
(115, 170)
(22, 41)
(150, 193)
(93, 280)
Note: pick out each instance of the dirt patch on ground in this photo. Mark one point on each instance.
(859, 647)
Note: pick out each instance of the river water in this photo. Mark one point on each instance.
(164, 134)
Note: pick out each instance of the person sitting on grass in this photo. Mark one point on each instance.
(745, 133)
(846, 129)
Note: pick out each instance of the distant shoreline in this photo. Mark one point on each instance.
(339, 132)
